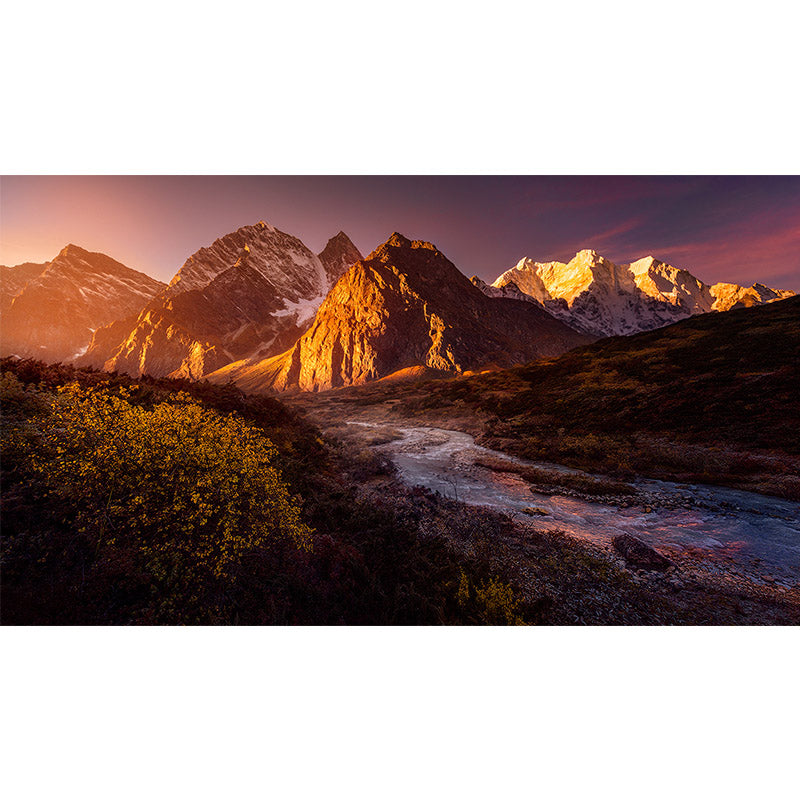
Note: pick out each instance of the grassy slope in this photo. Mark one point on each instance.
(715, 398)
(367, 564)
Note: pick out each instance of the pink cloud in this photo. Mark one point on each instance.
(739, 252)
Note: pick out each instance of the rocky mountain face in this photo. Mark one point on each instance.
(50, 311)
(258, 307)
(406, 306)
(509, 290)
(338, 256)
(730, 295)
(14, 279)
(251, 294)
(596, 296)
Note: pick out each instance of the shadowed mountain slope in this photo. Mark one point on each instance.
(406, 305)
(249, 295)
(696, 400)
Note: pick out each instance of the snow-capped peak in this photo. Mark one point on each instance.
(279, 257)
(643, 264)
(251, 293)
(599, 297)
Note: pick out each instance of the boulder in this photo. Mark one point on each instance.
(638, 554)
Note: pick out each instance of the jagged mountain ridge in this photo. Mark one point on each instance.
(338, 255)
(14, 279)
(250, 294)
(594, 295)
(509, 290)
(50, 310)
(405, 306)
(237, 306)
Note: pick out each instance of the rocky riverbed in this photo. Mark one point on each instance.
(713, 534)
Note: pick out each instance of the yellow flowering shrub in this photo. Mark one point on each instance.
(157, 501)
(498, 602)
(462, 595)
(495, 601)
(191, 489)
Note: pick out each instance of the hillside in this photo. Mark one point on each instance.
(712, 398)
(155, 501)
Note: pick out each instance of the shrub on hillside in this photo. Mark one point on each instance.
(188, 492)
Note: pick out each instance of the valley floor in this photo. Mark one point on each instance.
(734, 556)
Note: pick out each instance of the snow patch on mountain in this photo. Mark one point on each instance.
(51, 310)
(250, 294)
(592, 294)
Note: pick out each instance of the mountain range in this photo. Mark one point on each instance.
(258, 307)
(251, 294)
(50, 311)
(596, 296)
(406, 306)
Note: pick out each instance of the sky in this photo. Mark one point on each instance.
(742, 229)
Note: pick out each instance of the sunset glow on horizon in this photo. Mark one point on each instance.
(728, 228)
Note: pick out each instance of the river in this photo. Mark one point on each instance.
(739, 533)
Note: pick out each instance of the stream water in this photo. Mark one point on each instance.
(735, 532)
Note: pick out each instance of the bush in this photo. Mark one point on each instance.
(495, 601)
(79, 448)
(189, 491)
